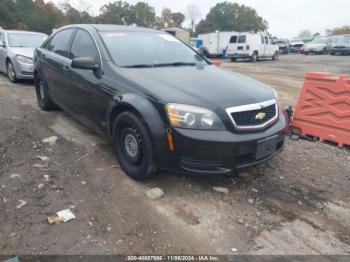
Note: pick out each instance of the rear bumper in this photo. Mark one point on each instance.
(220, 152)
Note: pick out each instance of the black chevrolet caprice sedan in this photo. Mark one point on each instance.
(162, 103)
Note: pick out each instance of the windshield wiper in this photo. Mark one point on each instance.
(139, 66)
(161, 65)
(175, 64)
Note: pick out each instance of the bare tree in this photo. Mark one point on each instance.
(305, 33)
(82, 5)
(193, 14)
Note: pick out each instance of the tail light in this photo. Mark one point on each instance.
(247, 47)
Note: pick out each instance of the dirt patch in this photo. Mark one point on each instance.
(297, 203)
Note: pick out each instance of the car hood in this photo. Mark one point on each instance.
(25, 51)
(207, 86)
(315, 45)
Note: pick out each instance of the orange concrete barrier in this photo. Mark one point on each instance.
(216, 62)
(323, 109)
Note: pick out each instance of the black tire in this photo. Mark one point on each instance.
(233, 59)
(132, 146)
(332, 53)
(11, 72)
(44, 101)
(306, 53)
(275, 56)
(254, 57)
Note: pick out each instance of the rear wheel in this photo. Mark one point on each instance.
(233, 59)
(42, 95)
(11, 72)
(133, 147)
(275, 56)
(254, 57)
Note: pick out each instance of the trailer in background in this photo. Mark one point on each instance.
(216, 43)
(182, 34)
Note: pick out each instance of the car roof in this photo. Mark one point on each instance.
(120, 28)
(23, 32)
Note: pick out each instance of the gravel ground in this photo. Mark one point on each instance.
(298, 203)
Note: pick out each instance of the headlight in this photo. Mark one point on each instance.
(193, 117)
(24, 59)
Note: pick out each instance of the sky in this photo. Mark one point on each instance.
(286, 18)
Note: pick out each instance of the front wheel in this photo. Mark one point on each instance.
(233, 59)
(11, 72)
(133, 147)
(254, 57)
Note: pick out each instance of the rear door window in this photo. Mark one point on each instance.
(241, 39)
(233, 39)
(59, 43)
(262, 40)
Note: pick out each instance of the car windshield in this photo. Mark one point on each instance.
(143, 49)
(319, 41)
(25, 39)
(341, 40)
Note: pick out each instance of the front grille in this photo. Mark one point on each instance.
(251, 118)
(254, 116)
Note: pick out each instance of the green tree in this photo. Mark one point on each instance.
(228, 16)
(144, 15)
(118, 12)
(8, 17)
(44, 17)
(177, 19)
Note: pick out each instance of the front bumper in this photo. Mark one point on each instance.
(313, 50)
(24, 71)
(345, 50)
(221, 152)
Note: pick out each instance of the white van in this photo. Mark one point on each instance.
(216, 42)
(253, 46)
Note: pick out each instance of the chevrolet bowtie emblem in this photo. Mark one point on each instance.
(261, 116)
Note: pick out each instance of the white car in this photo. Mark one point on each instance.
(253, 46)
(318, 46)
(17, 53)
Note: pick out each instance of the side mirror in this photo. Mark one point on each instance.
(87, 63)
(2, 44)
